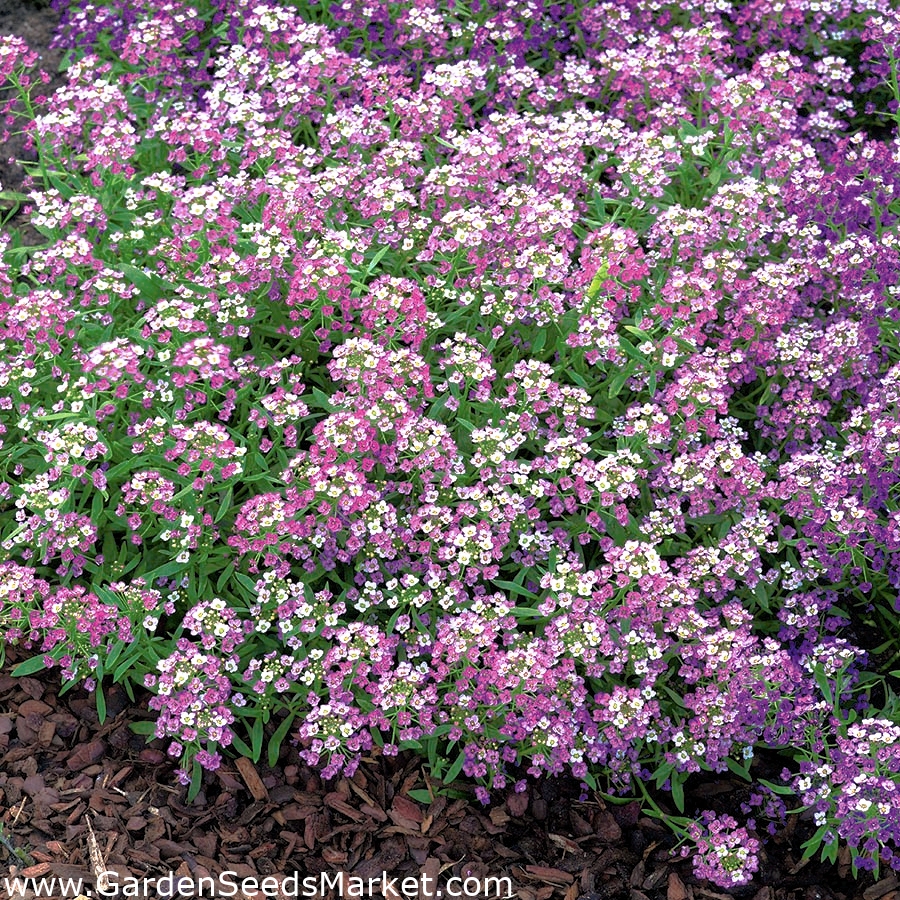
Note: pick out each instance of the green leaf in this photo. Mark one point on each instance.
(813, 844)
(246, 582)
(616, 383)
(780, 789)
(377, 259)
(323, 401)
(676, 697)
(830, 852)
(633, 352)
(147, 728)
(678, 792)
(520, 612)
(455, 769)
(224, 506)
(196, 779)
(101, 704)
(97, 506)
(822, 682)
(741, 770)
(163, 571)
(29, 667)
(663, 773)
(147, 284)
(437, 406)
(14, 196)
(256, 740)
(277, 738)
(126, 663)
(109, 547)
(421, 795)
(761, 595)
(434, 764)
(444, 143)
(241, 747)
(226, 574)
(708, 519)
(597, 282)
(515, 589)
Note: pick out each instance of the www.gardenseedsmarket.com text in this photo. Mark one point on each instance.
(111, 884)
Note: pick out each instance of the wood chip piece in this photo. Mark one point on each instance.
(46, 733)
(251, 778)
(34, 708)
(86, 755)
(37, 871)
(607, 828)
(566, 844)
(408, 809)
(98, 863)
(580, 826)
(295, 812)
(885, 886)
(675, 889)
(653, 879)
(499, 816)
(517, 804)
(337, 802)
(550, 875)
(429, 878)
(716, 895)
(844, 857)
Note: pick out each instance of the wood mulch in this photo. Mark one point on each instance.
(78, 797)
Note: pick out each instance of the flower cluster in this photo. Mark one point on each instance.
(514, 382)
(726, 853)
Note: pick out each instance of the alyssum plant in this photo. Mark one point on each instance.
(512, 382)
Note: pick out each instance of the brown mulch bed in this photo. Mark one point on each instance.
(73, 791)
(77, 796)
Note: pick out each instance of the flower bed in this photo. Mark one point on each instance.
(512, 382)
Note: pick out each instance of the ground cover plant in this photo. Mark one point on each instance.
(515, 383)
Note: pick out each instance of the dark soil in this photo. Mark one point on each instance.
(76, 795)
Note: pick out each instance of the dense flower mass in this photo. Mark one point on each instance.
(514, 382)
